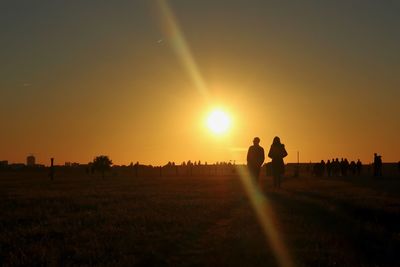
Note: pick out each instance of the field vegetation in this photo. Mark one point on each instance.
(123, 220)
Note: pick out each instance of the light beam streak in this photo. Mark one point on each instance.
(176, 38)
(266, 218)
(258, 201)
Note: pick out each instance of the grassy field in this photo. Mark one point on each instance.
(194, 221)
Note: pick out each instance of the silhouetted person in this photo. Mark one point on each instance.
(319, 168)
(277, 152)
(359, 167)
(380, 165)
(329, 168)
(377, 165)
(335, 167)
(353, 168)
(398, 166)
(255, 158)
(344, 166)
(323, 167)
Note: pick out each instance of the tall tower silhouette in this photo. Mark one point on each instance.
(30, 160)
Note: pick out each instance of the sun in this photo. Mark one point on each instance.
(218, 122)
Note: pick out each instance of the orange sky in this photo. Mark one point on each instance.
(135, 81)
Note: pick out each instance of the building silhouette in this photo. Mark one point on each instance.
(3, 164)
(30, 160)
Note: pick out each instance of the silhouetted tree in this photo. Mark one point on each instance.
(102, 164)
(136, 168)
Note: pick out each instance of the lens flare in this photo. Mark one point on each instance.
(218, 122)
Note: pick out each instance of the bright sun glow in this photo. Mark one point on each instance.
(218, 122)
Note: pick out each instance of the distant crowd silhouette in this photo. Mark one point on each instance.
(344, 168)
(335, 167)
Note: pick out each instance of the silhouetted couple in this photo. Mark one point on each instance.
(256, 157)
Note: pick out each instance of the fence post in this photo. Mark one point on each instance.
(52, 169)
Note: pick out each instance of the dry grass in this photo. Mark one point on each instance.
(194, 221)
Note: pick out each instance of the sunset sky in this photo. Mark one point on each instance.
(135, 80)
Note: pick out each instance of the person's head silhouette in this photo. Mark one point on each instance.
(277, 140)
(256, 141)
